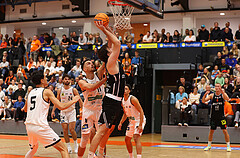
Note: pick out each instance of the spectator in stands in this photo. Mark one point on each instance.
(227, 24)
(98, 40)
(215, 33)
(122, 53)
(35, 47)
(191, 37)
(18, 109)
(148, 38)
(1, 37)
(119, 37)
(207, 76)
(236, 90)
(6, 37)
(203, 34)
(30, 88)
(231, 62)
(168, 38)
(90, 39)
(23, 84)
(127, 68)
(218, 60)
(127, 58)
(156, 36)
(48, 40)
(180, 95)
(220, 79)
(82, 40)
(94, 54)
(194, 98)
(202, 85)
(225, 52)
(28, 50)
(228, 87)
(185, 115)
(3, 44)
(76, 70)
(236, 71)
(97, 64)
(141, 38)
(19, 92)
(74, 39)
(2, 110)
(2, 84)
(40, 64)
(237, 117)
(47, 56)
(235, 51)
(41, 38)
(199, 72)
(2, 94)
(186, 34)
(215, 72)
(162, 36)
(227, 36)
(31, 66)
(52, 81)
(19, 77)
(237, 34)
(206, 104)
(58, 69)
(224, 68)
(137, 60)
(53, 63)
(65, 41)
(8, 105)
(177, 37)
(10, 77)
(228, 113)
(128, 38)
(55, 39)
(186, 84)
(59, 83)
(47, 74)
(12, 86)
(4, 67)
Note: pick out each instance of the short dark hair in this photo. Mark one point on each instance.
(37, 76)
(129, 86)
(66, 75)
(84, 62)
(102, 53)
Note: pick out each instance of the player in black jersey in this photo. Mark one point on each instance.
(111, 107)
(217, 116)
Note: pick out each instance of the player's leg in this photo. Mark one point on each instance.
(128, 138)
(227, 139)
(210, 138)
(62, 149)
(74, 135)
(137, 140)
(66, 136)
(33, 143)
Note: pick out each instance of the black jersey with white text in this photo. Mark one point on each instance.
(217, 109)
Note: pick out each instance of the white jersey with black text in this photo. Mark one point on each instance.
(37, 108)
(67, 95)
(93, 99)
(132, 113)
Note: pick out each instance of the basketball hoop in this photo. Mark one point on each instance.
(121, 13)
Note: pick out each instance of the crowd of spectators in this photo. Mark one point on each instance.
(225, 71)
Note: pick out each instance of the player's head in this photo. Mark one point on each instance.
(66, 79)
(127, 90)
(38, 78)
(88, 66)
(104, 53)
(218, 87)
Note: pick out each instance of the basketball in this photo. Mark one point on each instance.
(102, 17)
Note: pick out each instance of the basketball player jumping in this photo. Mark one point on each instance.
(37, 107)
(218, 117)
(68, 116)
(114, 90)
(93, 92)
(134, 112)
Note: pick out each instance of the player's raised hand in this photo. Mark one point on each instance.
(99, 24)
(120, 127)
(207, 92)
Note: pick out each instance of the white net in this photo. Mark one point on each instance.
(122, 14)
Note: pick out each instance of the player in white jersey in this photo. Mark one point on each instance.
(93, 92)
(37, 107)
(134, 112)
(68, 116)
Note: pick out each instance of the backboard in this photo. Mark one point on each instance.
(154, 7)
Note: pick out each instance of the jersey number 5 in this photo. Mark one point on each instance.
(33, 102)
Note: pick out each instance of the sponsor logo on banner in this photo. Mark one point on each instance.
(44, 49)
(79, 48)
(193, 44)
(168, 45)
(229, 44)
(213, 44)
(147, 46)
(133, 46)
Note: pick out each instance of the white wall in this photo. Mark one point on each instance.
(169, 25)
(29, 31)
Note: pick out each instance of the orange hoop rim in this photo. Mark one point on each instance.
(111, 2)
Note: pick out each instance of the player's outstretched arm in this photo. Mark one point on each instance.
(91, 87)
(101, 70)
(124, 117)
(137, 105)
(75, 92)
(54, 107)
(61, 106)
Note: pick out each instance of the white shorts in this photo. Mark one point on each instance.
(90, 118)
(132, 128)
(45, 135)
(68, 117)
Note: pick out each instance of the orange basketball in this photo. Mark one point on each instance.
(102, 17)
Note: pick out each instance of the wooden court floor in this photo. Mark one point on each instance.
(13, 146)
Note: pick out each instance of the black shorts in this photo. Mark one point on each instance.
(222, 123)
(111, 112)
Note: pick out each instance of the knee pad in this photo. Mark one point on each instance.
(84, 140)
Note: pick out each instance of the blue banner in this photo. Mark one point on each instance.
(44, 49)
(168, 45)
(192, 44)
(133, 46)
(229, 44)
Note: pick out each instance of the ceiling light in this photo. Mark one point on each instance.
(74, 21)
(60, 28)
(145, 24)
(222, 14)
(44, 23)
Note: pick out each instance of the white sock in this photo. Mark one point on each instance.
(31, 152)
(68, 145)
(101, 150)
(209, 143)
(139, 156)
(131, 155)
(90, 154)
(228, 144)
(75, 143)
